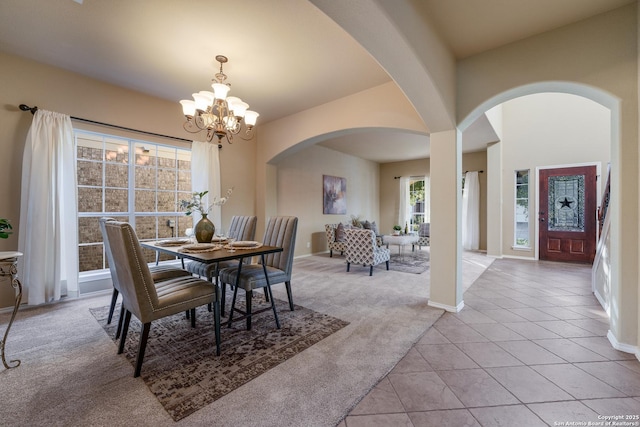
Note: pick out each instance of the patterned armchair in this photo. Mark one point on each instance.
(362, 248)
(332, 244)
(424, 236)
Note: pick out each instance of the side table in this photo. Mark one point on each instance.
(401, 240)
(8, 268)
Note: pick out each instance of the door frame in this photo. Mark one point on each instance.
(534, 216)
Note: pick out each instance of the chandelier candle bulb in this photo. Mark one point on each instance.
(216, 113)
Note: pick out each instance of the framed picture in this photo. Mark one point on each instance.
(334, 195)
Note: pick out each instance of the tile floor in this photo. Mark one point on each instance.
(528, 349)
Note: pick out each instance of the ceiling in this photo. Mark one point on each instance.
(282, 59)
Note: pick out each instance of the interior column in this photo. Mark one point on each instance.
(446, 221)
(494, 200)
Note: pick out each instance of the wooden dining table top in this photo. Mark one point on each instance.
(214, 256)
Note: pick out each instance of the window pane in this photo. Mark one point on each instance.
(89, 173)
(184, 180)
(521, 232)
(166, 179)
(145, 177)
(116, 175)
(116, 200)
(167, 201)
(91, 257)
(117, 151)
(89, 230)
(145, 155)
(89, 199)
(145, 201)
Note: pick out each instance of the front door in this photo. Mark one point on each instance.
(567, 214)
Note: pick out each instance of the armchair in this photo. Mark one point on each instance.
(362, 248)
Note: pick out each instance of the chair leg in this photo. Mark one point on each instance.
(125, 329)
(186, 314)
(120, 320)
(249, 298)
(114, 298)
(233, 306)
(387, 265)
(216, 322)
(223, 298)
(266, 296)
(144, 335)
(330, 253)
(348, 266)
(193, 317)
(371, 270)
(289, 295)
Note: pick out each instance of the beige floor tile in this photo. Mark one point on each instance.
(528, 385)
(532, 314)
(506, 416)
(562, 313)
(531, 331)
(616, 406)
(554, 413)
(570, 351)
(503, 316)
(469, 316)
(634, 365)
(460, 333)
(479, 303)
(565, 329)
(615, 375)
(383, 420)
(577, 382)
(530, 353)
(592, 325)
(433, 336)
(451, 417)
(488, 354)
(602, 346)
(381, 400)
(534, 302)
(412, 362)
(474, 387)
(497, 332)
(593, 312)
(506, 302)
(443, 357)
(423, 391)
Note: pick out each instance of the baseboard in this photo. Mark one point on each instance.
(627, 348)
(449, 308)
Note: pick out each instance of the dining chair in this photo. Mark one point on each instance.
(150, 301)
(281, 232)
(158, 273)
(241, 228)
(362, 248)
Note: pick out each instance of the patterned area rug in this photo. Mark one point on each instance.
(181, 368)
(416, 262)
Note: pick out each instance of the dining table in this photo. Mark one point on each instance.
(216, 253)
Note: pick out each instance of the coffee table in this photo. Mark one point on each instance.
(400, 240)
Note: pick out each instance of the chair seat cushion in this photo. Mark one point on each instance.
(252, 276)
(208, 271)
(180, 294)
(164, 272)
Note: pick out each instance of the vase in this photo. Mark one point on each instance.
(204, 230)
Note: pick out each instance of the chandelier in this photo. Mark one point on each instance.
(216, 113)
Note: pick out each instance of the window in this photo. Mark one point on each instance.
(130, 180)
(418, 200)
(522, 209)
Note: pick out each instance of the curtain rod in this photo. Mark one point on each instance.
(33, 110)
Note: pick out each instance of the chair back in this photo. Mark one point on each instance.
(139, 294)
(361, 245)
(243, 227)
(281, 231)
(107, 251)
(424, 230)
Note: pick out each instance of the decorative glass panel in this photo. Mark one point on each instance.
(566, 203)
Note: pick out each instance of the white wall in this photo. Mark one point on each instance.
(299, 184)
(545, 130)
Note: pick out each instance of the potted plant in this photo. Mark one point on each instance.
(396, 230)
(5, 226)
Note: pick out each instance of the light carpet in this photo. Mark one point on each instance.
(71, 374)
(181, 368)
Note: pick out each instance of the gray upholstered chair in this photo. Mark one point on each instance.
(241, 228)
(362, 248)
(158, 273)
(150, 301)
(280, 231)
(424, 236)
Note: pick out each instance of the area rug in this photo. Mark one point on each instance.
(181, 368)
(416, 262)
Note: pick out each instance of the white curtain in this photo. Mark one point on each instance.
(205, 176)
(48, 210)
(471, 212)
(404, 210)
(427, 199)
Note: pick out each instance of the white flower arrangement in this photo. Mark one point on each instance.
(195, 204)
